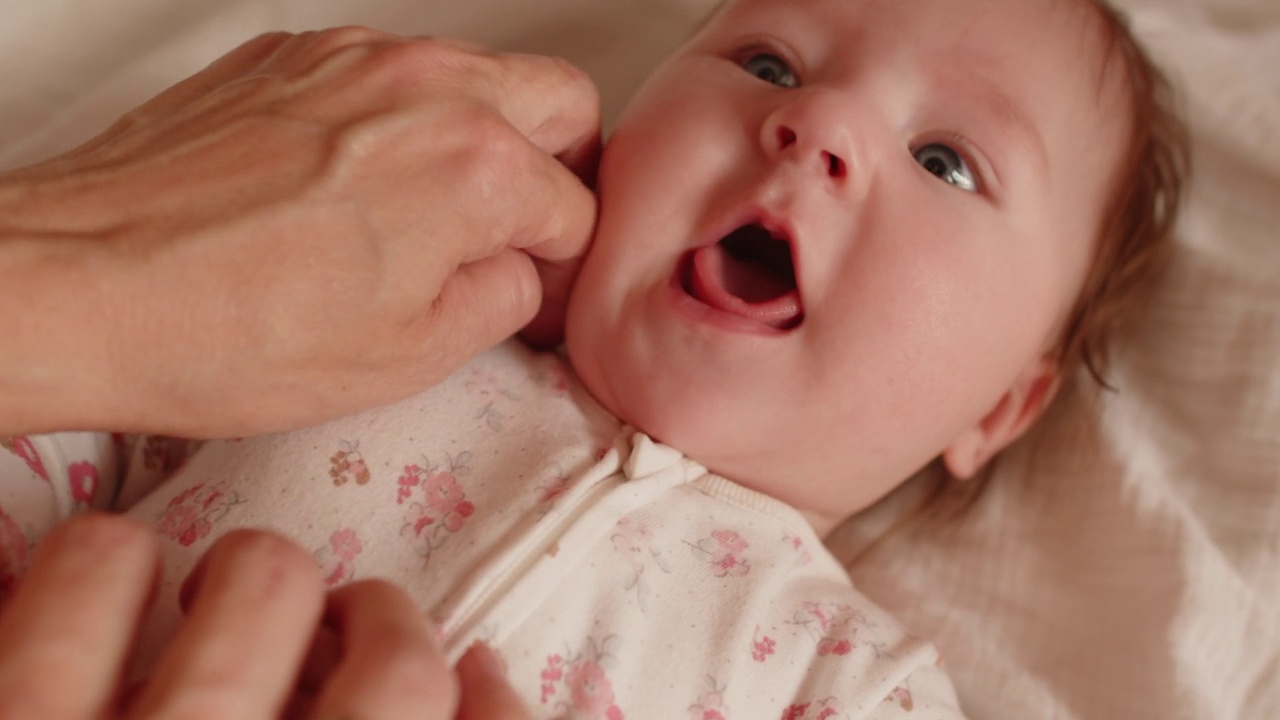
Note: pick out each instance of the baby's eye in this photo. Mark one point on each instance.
(947, 164)
(771, 69)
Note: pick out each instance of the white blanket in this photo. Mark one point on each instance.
(1125, 562)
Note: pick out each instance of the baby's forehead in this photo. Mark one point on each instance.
(1021, 47)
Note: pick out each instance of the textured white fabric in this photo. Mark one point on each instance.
(616, 577)
(1131, 568)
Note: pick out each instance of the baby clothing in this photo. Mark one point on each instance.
(616, 577)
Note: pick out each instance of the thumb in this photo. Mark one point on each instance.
(546, 330)
(485, 693)
(481, 304)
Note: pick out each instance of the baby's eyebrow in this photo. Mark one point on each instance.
(1014, 117)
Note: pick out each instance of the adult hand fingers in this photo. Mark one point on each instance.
(551, 102)
(485, 694)
(531, 126)
(556, 107)
(66, 633)
(255, 601)
(546, 330)
(482, 303)
(391, 666)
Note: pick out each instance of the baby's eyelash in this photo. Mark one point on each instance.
(744, 50)
(967, 152)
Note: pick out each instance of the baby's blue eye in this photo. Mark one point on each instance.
(771, 69)
(947, 164)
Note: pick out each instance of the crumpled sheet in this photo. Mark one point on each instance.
(1124, 562)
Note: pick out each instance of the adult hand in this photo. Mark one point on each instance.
(254, 603)
(312, 225)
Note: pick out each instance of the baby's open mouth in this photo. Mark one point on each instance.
(750, 273)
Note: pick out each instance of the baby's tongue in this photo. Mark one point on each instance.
(744, 287)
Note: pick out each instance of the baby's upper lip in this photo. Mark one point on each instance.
(757, 214)
(746, 267)
(778, 224)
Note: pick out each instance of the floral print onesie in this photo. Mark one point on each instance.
(616, 577)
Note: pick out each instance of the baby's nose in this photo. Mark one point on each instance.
(812, 131)
(787, 138)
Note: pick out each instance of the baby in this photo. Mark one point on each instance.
(838, 240)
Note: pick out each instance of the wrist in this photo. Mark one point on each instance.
(55, 313)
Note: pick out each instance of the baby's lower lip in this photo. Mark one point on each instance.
(686, 300)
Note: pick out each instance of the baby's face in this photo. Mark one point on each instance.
(837, 237)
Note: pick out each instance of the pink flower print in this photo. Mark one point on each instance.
(795, 711)
(725, 552)
(837, 628)
(710, 705)
(812, 710)
(22, 447)
(13, 554)
(762, 646)
(798, 547)
(190, 515)
(347, 465)
(442, 506)
(409, 479)
(579, 686)
(491, 390)
(551, 675)
(337, 559)
(83, 478)
(345, 544)
(634, 542)
(442, 491)
(184, 524)
(590, 691)
(834, 646)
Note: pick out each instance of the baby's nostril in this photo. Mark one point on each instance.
(835, 166)
(786, 137)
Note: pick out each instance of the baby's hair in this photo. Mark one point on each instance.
(1135, 238)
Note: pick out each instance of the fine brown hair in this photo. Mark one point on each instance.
(1135, 239)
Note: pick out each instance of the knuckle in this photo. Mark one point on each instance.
(493, 136)
(572, 75)
(419, 60)
(446, 52)
(484, 141)
(273, 37)
(555, 74)
(325, 42)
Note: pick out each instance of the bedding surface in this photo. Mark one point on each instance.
(1124, 561)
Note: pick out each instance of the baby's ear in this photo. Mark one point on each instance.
(1016, 410)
